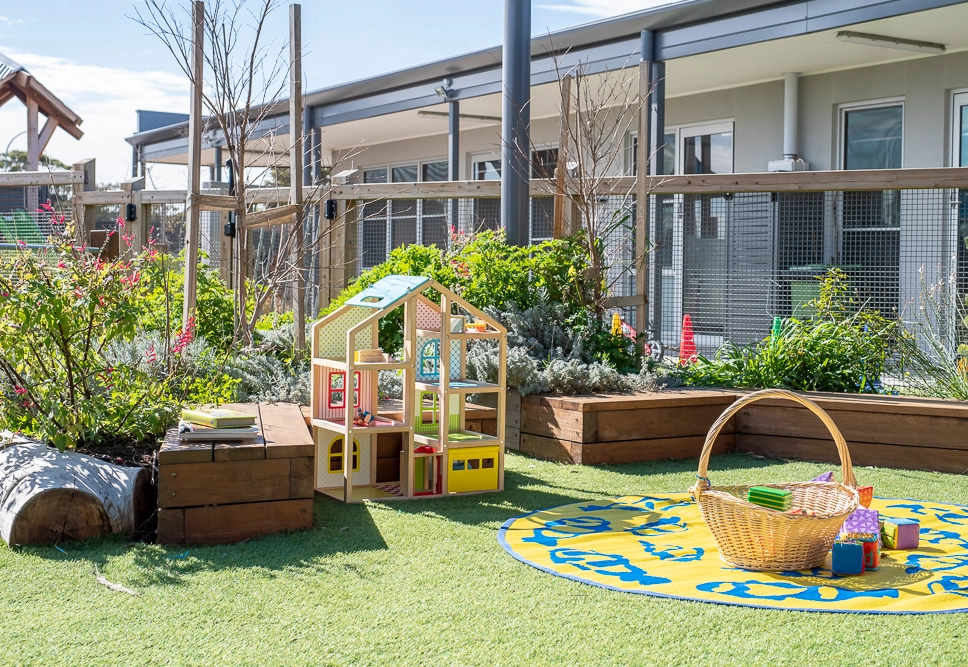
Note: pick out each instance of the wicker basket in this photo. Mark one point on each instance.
(758, 538)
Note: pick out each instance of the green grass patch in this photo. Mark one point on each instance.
(426, 583)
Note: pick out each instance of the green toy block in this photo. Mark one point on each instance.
(767, 496)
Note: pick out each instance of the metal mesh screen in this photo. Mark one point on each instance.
(387, 224)
(21, 222)
(733, 262)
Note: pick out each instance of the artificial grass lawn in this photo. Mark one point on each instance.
(425, 582)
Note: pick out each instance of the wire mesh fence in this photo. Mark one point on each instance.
(734, 262)
(21, 221)
(383, 225)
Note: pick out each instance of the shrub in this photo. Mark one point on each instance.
(66, 317)
(487, 272)
(843, 348)
(933, 362)
(264, 378)
(161, 295)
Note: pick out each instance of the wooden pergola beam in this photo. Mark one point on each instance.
(49, 104)
(273, 216)
(47, 132)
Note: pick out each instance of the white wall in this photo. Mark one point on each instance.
(924, 83)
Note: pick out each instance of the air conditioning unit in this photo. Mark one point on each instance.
(788, 164)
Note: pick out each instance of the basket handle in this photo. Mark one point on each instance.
(846, 467)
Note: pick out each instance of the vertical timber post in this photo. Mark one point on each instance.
(192, 211)
(560, 228)
(656, 148)
(33, 153)
(296, 176)
(642, 172)
(515, 119)
(82, 223)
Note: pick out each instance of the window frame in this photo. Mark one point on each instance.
(388, 168)
(330, 389)
(846, 107)
(330, 455)
(490, 156)
(421, 357)
(954, 146)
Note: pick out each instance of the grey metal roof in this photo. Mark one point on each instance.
(8, 67)
(681, 29)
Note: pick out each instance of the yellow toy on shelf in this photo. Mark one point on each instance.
(431, 452)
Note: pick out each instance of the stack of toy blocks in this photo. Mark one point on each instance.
(856, 549)
(767, 496)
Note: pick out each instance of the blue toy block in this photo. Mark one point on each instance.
(847, 557)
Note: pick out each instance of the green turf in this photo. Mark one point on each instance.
(425, 582)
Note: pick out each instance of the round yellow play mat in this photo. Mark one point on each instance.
(658, 545)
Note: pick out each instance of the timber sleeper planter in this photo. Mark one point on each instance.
(887, 431)
(623, 428)
(211, 492)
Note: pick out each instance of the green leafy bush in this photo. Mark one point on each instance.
(72, 371)
(486, 271)
(843, 349)
(161, 295)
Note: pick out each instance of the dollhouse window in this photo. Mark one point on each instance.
(430, 358)
(427, 420)
(336, 456)
(336, 390)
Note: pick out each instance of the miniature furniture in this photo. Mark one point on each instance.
(430, 448)
(212, 492)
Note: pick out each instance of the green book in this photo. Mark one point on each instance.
(218, 418)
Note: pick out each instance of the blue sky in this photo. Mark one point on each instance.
(105, 66)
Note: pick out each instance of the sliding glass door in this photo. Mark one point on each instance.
(701, 232)
(959, 158)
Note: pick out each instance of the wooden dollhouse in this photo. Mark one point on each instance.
(431, 453)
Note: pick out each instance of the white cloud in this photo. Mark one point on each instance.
(8, 21)
(607, 8)
(106, 98)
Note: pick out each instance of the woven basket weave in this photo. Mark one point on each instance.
(758, 538)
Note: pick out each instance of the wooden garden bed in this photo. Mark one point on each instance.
(888, 431)
(623, 428)
(212, 492)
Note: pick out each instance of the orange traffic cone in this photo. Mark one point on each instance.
(687, 342)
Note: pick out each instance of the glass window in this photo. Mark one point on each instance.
(405, 174)
(872, 138)
(374, 175)
(435, 171)
(708, 153)
(487, 170)
(963, 150)
(668, 155)
(544, 163)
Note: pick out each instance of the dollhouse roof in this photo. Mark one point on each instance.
(387, 291)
